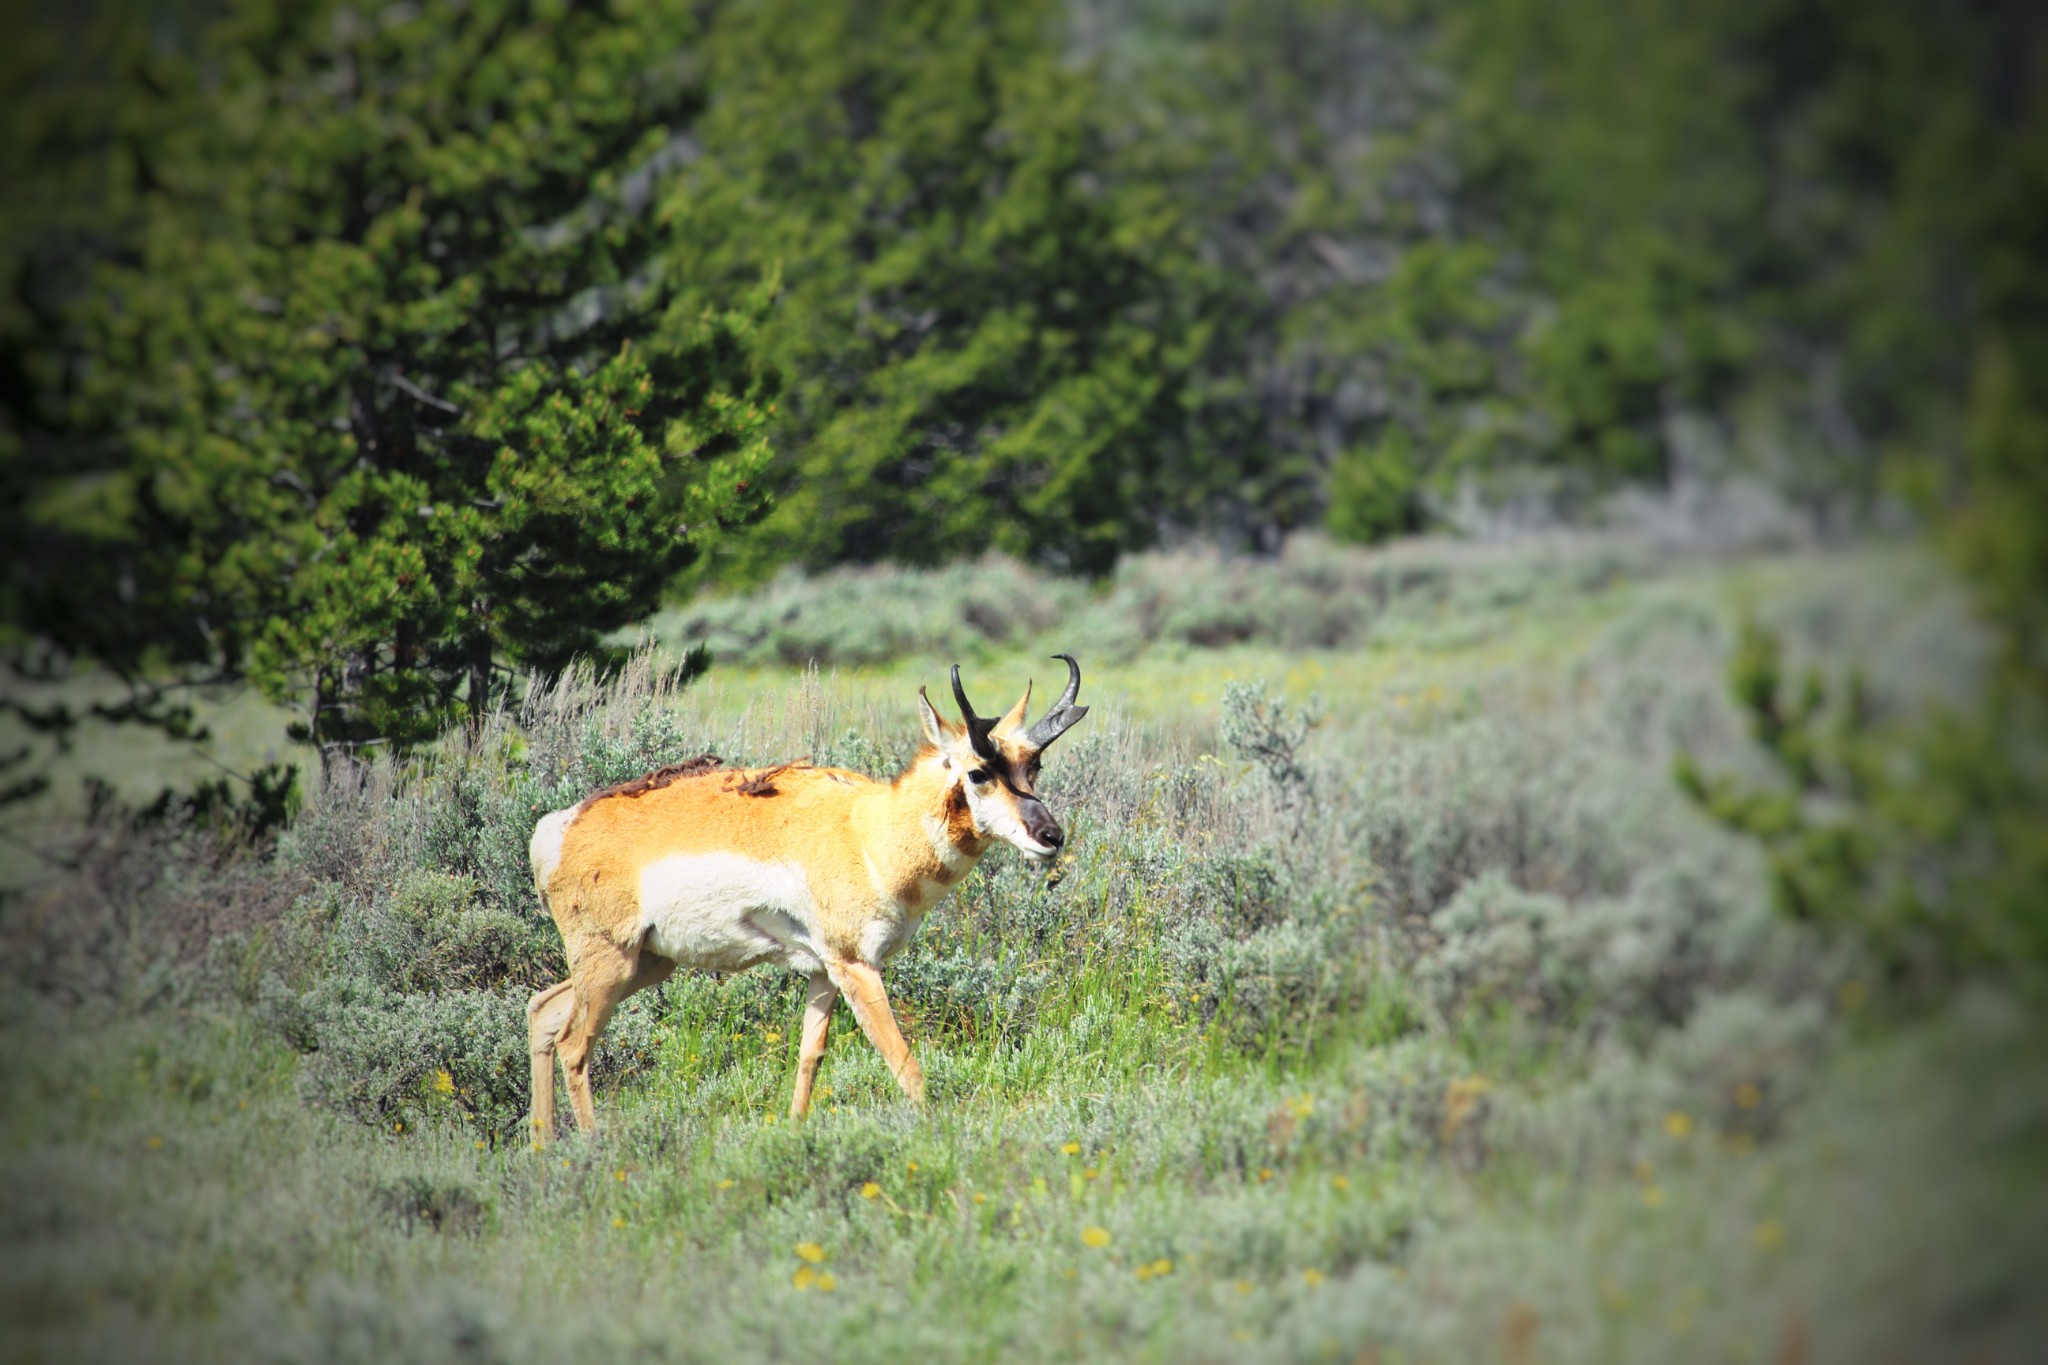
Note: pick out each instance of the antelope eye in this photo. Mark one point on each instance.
(978, 776)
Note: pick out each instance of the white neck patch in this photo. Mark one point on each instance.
(950, 855)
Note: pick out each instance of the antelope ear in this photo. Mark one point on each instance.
(1012, 722)
(934, 728)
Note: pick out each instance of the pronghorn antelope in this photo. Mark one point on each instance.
(824, 871)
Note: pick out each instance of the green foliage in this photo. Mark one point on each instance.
(1212, 910)
(1291, 136)
(1505, 989)
(980, 349)
(255, 818)
(1739, 209)
(1374, 493)
(1919, 841)
(1269, 734)
(380, 385)
(1312, 596)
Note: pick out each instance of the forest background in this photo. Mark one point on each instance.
(395, 368)
(774, 284)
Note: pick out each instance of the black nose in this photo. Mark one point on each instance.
(1050, 836)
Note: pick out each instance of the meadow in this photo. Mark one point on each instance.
(1392, 1002)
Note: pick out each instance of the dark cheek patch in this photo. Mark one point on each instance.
(959, 819)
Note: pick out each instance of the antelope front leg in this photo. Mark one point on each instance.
(817, 1018)
(863, 987)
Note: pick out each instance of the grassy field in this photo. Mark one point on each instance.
(1462, 1037)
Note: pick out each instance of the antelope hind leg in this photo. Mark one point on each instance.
(817, 1019)
(547, 1013)
(605, 974)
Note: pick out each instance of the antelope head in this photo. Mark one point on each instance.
(993, 764)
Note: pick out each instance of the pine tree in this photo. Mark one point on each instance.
(982, 355)
(380, 383)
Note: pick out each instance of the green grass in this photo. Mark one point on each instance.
(169, 1191)
(1504, 1058)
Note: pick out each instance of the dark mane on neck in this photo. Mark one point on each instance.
(659, 778)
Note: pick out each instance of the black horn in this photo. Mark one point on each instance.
(977, 727)
(1062, 715)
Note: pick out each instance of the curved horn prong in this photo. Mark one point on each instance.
(977, 727)
(1062, 715)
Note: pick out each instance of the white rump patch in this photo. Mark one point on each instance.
(546, 848)
(725, 913)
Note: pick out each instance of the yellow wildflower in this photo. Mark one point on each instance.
(805, 1278)
(1090, 1173)
(1768, 1234)
(1095, 1237)
(155, 1142)
(870, 1190)
(1265, 1174)
(1461, 1097)
(444, 1082)
(725, 1184)
(1748, 1095)
(1071, 1148)
(1678, 1123)
(810, 1251)
(620, 1175)
(827, 1282)
(1311, 1277)
(1245, 1286)
(618, 1222)
(1653, 1196)
(481, 1144)
(1340, 1182)
(980, 1198)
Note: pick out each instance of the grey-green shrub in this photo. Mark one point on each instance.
(1505, 857)
(1314, 595)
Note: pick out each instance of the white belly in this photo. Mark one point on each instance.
(725, 913)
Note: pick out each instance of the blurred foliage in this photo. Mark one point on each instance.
(373, 382)
(1051, 280)
(982, 349)
(1312, 595)
(1925, 841)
